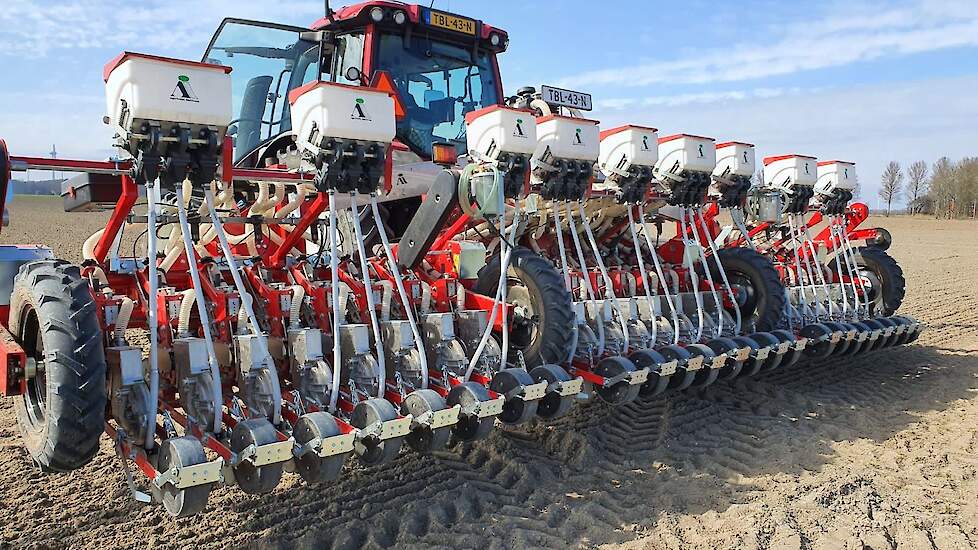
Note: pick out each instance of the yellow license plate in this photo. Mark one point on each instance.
(451, 22)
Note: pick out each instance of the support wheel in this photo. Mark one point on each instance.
(768, 340)
(470, 427)
(791, 356)
(620, 392)
(371, 449)
(516, 410)
(255, 480)
(707, 375)
(683, 378)
(423, 439)
(179, 452)
(54, 318)
(553, 405)
(312, 467)
(819, 346)
(731, 366)
(752, 365)
(757, 285)
(652, 360)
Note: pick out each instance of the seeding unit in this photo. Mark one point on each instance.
(354, 240)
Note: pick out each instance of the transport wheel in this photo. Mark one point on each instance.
(707, 375)
(731, 366)
(757, 286)
(179, 452)
(371, 449)
(470, 427)
(819, 346)
(544, 323)
(54, 318)
(423, 439)
(312, 467)
(884, 278)
(515, 410)
(652, 360)
(255, 480)
(683, 378)
(552, 405)
(792, 355)
(620, 392)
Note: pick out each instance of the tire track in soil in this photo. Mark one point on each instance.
(721, 467)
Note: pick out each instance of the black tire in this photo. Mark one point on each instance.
(888, 285)
(763, 301)
(62, 415)
(554, 324)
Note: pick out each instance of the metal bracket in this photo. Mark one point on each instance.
(835, 337)
(718, 361)
(638, 377)
(182, 477)
(668, 368)
(694, 363)
(567, 388)
(485, 409)
(742, 354)
(763, 353)
(783, 348)
(801, 344)
(534, 392)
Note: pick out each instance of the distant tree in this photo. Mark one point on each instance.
(941, 188)
(891, 184)
(916, 185)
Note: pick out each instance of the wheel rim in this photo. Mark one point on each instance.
(873, 285)
(523, 330)
(746, 294)
(37, 387)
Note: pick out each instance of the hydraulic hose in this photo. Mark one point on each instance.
(399, 281)
(334, 282)
(246, 302)
(154, 352)
(589, 291)
(368, 285)
(661, 275)
(608, 285)
(738, 321)
(215, 367)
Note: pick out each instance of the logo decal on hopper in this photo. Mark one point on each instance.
(519, 129)
(183, 91)
(358, 112)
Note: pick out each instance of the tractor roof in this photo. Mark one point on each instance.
(357, 14)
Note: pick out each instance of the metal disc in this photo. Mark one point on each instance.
(255, 480)
(515, 410)
(470, 427)
(422, 438)
(182, 451)
(372, 450)
(552, 405)
(312, 467)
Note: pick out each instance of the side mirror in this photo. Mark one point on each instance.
(353, 74)
(4, 179)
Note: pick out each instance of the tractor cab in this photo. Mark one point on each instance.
(440, 65)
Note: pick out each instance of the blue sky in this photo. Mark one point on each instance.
(858, 80)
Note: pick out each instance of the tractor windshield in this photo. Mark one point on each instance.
(268, 61)
(438, 82)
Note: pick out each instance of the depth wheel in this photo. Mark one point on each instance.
(731, 366)
(652, 360)
(54, 318)
(842, 346)
(819, 346)
(874, 324)
(423, 439)
(707, 375)
(752, 365)
(255, 480)
(180, 452)
(516, 410)
(768, 340)
(312, 467)
(552, 405)
(791, 356)
(470, 427)
(373, 450)
(620, 392)
(859, 347)
(544, 323)
(683, 378)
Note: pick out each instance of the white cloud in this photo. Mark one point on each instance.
(37, 28)
(860, 34)
(686, 99)
(869, 125)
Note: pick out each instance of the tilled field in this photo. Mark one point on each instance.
(878, 452)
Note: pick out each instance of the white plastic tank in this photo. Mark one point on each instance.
(734, 158)
(680, 152)
(565, 137)
(835, 174)
(787, 171)
(145, 88)
(627, 145)
(324, 110)
(497, 129)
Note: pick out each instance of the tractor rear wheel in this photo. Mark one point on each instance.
(882, 277)
(54, 318)
(544, 323)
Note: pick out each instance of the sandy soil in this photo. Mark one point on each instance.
(880, 452)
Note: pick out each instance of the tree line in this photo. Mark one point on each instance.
(947, 189)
